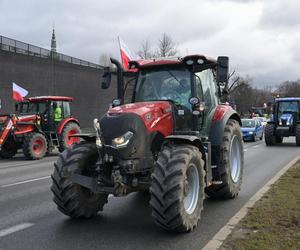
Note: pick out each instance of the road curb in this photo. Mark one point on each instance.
(220, 236)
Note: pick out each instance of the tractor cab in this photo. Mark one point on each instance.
(45, 107)
(38, 125)
(285, 121)
(192, 85)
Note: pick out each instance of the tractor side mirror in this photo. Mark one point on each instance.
(222, 69)
(106, 78)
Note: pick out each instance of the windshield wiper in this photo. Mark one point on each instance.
(171, 74)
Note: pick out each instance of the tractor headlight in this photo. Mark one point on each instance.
(123, 140)
(250, 132)
(288, 122)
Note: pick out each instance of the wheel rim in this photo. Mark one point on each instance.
(235, 159)
(38, 146)
(71, 140)
(191, 189)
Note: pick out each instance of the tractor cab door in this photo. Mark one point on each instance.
(58, 111)
(205, 84)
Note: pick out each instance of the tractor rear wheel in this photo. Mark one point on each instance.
(72, 199)
(270, 137)
(177, 189)
(231, 163)
(35, 146)
(297, 134)
(9, 149)
(65, 141)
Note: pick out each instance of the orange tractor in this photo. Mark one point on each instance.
(36, 130)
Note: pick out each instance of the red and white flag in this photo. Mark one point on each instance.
(18, 92)
(126, 54)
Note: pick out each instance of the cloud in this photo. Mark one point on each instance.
(259, 36)
(281, 15)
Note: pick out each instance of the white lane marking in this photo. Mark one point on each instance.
(217, 241)
(245, 150)
(257, 146)
(23, 182)
(14, 229)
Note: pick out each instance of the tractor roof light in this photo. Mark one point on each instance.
(200, 61)
(189, 62)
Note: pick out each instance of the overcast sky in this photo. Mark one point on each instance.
(262, 38)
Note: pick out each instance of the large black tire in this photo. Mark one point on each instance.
(176, 172)
(72, 199)
(9, 149)
(270, 137)
(231, 164)
(35, 146)
(297, 134)
(64, 141)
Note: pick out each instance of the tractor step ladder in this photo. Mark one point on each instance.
(54, 139)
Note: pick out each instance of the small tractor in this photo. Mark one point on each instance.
(33, 127)
(174, 139)
(285, 121)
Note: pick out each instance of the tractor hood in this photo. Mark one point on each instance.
(157, 116)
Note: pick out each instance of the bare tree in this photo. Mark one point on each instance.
(289, 89)
(166, 46)
(145, 51)
(104, 60)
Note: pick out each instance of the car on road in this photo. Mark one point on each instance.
(252, 129)
(262, 119)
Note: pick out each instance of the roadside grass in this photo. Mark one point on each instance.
(274, 221)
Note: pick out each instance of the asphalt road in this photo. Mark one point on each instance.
(29, 219)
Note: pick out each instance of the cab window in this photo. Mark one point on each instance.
(66, 109)
(208, 87)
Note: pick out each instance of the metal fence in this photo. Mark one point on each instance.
(15, 46)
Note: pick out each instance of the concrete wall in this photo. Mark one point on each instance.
(49, 77)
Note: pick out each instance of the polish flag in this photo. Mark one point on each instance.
(126, 55)
(18, 92)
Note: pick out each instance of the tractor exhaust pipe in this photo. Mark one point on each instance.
(120, 80)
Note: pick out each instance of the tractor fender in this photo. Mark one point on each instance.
(64, 122)
(221, 116)
(187, 139)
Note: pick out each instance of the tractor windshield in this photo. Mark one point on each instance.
(31, 107)
(288, 107)
(164, 84)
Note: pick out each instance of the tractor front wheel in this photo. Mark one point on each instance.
(270, 137)
(66, 141)
(231, 164)
(9, 149)
(35, 146)
(177, 189)
(72, 199)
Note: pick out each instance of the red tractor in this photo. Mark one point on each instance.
(174, 139)
(35, 128)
